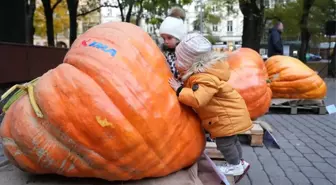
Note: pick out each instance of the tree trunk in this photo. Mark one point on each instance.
(49, 22)
(121, 8)
(138, 17)
(305, 34)
(30, 30)
(253, 23)
(333, 58)
(332, 65)
(250, 34)
(305, 37)
(261, 25)
(72, 8)
(129, 12)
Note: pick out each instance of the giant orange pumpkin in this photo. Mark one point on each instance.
(107, 112)
(249, 77)
(290, 78)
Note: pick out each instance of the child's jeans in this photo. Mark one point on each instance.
(230, 148)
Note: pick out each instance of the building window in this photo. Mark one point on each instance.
(197, 8)
(267, 3)
(109, 13)
(229, 9)
(229, 26)
(214, 8)
(215, 27)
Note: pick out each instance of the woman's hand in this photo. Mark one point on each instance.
(174, 83)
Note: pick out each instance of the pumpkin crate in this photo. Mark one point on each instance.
(295, 106)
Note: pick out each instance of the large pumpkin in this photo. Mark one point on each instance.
(290, 78)
(249, 77)
(108, 112)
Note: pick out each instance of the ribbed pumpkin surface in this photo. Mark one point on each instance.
(109, 113)
(249, 78)
(293, 79)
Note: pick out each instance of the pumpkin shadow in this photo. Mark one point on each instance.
(53, 179)
(58, 179)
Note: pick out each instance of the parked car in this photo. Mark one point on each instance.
(313, 57)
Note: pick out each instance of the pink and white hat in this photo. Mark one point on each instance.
(190, 49)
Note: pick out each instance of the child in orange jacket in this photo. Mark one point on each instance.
(222, 110)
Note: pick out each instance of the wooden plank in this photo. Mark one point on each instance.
(257, 140)
(210, 145)
(293, 110)
(256, 135)
(297, 102)
(264, 125)
(294, 105)
(256, 129)
(231, 180)
(322, 110)
(212, 152)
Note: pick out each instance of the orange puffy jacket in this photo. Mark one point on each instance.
(221, 108)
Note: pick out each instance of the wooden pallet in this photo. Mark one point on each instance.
(256, 135)
(296, 105)
(256, 140)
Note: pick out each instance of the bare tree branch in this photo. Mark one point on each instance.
(95, 9)
(55, 5)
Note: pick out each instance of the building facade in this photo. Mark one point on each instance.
(228, 32)
(108, 14)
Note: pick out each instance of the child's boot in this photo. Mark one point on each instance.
(232, 170)
(245, 164)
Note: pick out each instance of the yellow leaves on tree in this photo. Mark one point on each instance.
(60, 16)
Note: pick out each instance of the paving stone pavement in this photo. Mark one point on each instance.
(308, 153)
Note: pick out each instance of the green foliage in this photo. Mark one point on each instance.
(61, 19)
(211, 38)
(157, 10)
(290, 15)
(321, 12)
(214, 11)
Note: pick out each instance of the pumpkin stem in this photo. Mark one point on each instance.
(8, 92)
(15, 97)
(23, 89)
(37, 110)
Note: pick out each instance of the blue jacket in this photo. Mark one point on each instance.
(275, 46)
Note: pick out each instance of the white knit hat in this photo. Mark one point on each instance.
(174, 27)
(191, 48)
